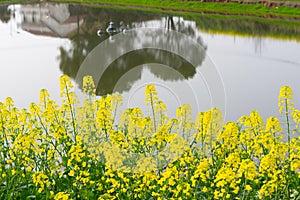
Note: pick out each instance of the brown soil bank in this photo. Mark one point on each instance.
(269, 4)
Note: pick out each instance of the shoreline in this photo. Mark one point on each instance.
(243, 25)
(262, 9)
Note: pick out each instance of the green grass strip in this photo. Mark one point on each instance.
(193, 6)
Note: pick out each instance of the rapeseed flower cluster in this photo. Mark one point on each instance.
(95, 151)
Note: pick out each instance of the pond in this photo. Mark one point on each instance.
(238, 65)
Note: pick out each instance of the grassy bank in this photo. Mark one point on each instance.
(215, 23)
(193, 6)
(248, 26)
(230, 18)
(196, 6)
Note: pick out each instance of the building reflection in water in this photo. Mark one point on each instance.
(50, 20)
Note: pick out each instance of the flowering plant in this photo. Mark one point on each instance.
(67, 151)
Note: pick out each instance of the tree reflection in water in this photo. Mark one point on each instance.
(127, 62)
(4, 14)
(86, 40)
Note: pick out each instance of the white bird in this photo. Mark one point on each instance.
(125, 30)
(100, 32)
(111, 28)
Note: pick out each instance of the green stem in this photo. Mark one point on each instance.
(72, 114)
(289, 147)
(153, 113)
(244, 192)
(115, 112)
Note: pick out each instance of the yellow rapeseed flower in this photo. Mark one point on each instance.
(61, 196)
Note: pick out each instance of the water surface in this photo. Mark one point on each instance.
(38, 43)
